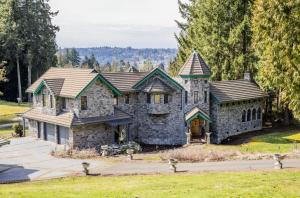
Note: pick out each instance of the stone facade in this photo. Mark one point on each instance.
(227, 118)
(158, 108)
(91, 136)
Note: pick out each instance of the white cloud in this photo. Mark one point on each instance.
(136, 23)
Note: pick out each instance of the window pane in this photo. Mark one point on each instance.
(83, 103)
(127, 99)
(196, 97)
(166, 99)
(157, 99)
(63, 103)
(44, 100)
(205, 96)
(186, 97)
(148, 98)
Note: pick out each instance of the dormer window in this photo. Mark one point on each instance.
(196, 97)
(44, 100)
(63, 103)
(127, 99)
(157, 98)
(51, 101)
(83, 102)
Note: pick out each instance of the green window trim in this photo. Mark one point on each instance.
(39, 88)
(161, 73)
(102, 80)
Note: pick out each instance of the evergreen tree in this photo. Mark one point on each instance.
(148, 65)
(276, 35)
(220, 31)
(73, 57)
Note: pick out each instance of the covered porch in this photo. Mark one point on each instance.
(197, 126)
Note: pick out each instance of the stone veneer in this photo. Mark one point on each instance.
(227, 119)
(91, 136)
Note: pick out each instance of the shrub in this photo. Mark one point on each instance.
(18, 129)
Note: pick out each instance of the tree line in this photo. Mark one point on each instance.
(259, 36)
(27, 43)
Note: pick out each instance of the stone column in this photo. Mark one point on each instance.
(188, 136)
(208, 137)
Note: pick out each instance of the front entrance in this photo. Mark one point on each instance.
(196, 128)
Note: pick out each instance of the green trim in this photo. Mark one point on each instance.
(198, 115)
(195, 76)
(39, 88)
(105, 82)
(161, 73)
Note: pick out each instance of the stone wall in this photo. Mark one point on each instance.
(99, 102)
(91, 136)
(195, 84)
(38, 102)
(227, 119)
(167, 129)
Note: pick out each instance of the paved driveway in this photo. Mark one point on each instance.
(30, 159)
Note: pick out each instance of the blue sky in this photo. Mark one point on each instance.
(122, 23)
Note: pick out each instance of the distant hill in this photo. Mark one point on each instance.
(131, 55)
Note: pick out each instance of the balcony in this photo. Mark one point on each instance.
(159, 109)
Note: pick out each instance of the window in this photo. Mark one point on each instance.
(196, 82)
(44, 100)
(186, 81)
(166, 98)
(254, 114)
(127, 99)
(249, 115)
(83, 103)
(186, 97)
(63, 103)
(148, 98)
(205, 81)
(196, 97)
(244, 116)
(259, 113)
(51, 101)
(205, 96)
(157, 98)
(116, 100)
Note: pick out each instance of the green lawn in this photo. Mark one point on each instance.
(8, 111)
(223, 184)
(4, 132)
(278, 142)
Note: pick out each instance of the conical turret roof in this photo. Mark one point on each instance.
(194, 66)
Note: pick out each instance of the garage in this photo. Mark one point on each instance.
(62, 135)
(49, 132)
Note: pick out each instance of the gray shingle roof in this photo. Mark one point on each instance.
(235, 90)
(124, 80)
(158, 85)
(194, 65)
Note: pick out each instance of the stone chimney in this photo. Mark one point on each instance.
(247, 76)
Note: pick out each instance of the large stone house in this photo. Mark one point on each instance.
(84, 108)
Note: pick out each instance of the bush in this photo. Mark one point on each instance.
(18, 129)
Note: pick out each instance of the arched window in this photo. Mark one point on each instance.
(259, 113)
(253, 114)
(249, 115)
(244, 116)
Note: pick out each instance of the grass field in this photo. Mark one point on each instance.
(8, 111)
(280, 141)
(223, 184)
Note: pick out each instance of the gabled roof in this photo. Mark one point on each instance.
(235, 90)
(75, 80)
(194, 67)
(124, 81)
(55, 85)
(158, 85)
(161, 73)
(195, 113)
